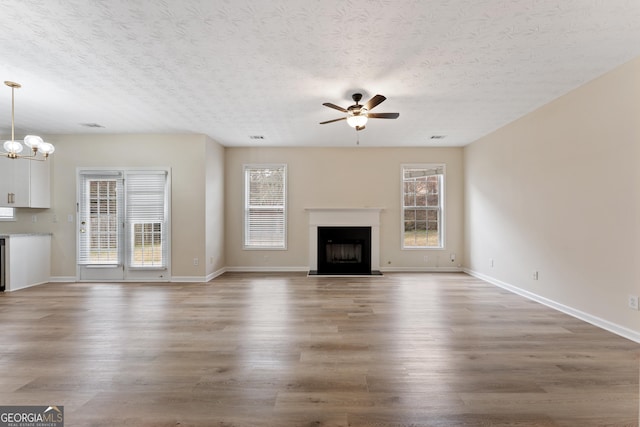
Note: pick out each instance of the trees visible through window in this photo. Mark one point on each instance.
(265, 206)
(422, 207)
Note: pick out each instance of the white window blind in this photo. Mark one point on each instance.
(146, 216)
(7, 214)
(265, 206)
(100, 215)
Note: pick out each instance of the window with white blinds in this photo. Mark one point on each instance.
(146, 216)
(7, 214)
(100, 215)
(265, 215)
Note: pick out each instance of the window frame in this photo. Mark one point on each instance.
(441, 208)
(136, 214)
(246, 208)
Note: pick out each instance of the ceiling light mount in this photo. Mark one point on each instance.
(13, 148)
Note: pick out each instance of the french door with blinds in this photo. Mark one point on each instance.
(123, 225)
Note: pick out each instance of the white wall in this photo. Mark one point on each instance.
(343, 177)
(557, 192)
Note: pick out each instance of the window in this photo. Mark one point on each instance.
(100, 214)
(265, 207)
(146, 215)
(422, 206)
(7, 214)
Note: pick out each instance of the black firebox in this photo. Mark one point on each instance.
(344, 250)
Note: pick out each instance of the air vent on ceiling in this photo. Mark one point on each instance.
(438, 136)
(256, 136)
(91, 125)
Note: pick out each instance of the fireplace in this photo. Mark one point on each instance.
(345, 254)
(344, 250)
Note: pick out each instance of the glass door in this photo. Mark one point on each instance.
(101, 226)
(123, 225)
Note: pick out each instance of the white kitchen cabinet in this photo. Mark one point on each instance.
(24, 183)
(27, 260)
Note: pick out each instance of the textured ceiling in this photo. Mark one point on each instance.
(237, 68)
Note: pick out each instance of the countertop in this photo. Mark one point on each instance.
(7, 235)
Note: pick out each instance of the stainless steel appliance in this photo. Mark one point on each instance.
(2, 265)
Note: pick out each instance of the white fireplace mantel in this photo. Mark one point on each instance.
(344, 217)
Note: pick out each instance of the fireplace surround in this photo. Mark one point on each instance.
(345, 253)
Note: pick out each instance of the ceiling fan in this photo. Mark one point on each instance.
(357, 114)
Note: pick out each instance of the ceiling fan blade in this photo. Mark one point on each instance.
(374, 101)
(335, 107)
(383, 115)
(334, 120)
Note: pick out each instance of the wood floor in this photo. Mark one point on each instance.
(287, 350)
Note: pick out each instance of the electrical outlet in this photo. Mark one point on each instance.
(34, 218)
(426, 258)
(633, 302)
(535, 275)
(453, 257)
(196, 261)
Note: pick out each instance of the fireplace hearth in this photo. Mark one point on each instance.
(344, 250)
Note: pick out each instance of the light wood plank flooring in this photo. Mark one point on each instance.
(287, 350)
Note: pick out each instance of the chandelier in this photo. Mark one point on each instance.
(13, 148)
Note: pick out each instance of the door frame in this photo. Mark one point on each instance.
(123, 272)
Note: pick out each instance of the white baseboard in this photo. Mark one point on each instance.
(62, 279)
(594, 320)
(188, 279)
(253, 269)
(216, 274)
(421, 270)
(30, 285)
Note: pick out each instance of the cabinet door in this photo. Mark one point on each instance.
(15, 179)
(27, 180)
(6, 180)
(39, 184)
(21, 182)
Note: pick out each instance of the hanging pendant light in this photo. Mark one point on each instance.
(13, 148)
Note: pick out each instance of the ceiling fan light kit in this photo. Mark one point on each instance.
(357, 115)
(13, 148)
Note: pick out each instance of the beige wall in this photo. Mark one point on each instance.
(214, 217)
(188, 156)
(343, 177)
(557, 192)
